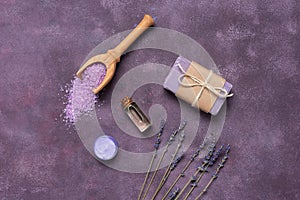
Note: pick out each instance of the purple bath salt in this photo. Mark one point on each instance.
(81, 98)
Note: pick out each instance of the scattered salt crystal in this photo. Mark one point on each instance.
(80, 97)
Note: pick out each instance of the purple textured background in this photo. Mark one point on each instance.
(42, 44)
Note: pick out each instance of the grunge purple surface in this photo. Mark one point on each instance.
(43, 43)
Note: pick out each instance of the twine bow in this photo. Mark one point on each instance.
(218, 91)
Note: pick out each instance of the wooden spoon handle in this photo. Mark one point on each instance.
(146, 22)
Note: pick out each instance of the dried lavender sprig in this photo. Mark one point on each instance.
(173, 135)
(160, 132)
(172, 164)
(215, 175)
(156, 146)
(171, 168)
(191, 160)
(173, 195)
(212, 160)
(170, 141)
(176, 161)
(167, 174)
(199, 169)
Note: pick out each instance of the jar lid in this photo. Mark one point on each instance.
(126, 101)
(106, 147)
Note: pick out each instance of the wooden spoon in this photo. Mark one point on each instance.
(112, 57)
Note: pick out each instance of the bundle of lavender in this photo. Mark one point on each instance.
(171, 165)
(156, 146)
(209, 160)
(216, 173)
(182, 174)
(200, 169)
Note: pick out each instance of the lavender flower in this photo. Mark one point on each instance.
(182, 173)
(170, 141)
(216, 173)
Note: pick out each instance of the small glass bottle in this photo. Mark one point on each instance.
(135, 114)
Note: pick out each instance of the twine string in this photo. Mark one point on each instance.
(218, 91)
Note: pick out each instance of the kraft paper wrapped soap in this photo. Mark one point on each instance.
(197, 85)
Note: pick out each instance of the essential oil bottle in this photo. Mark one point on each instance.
(135, 114)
